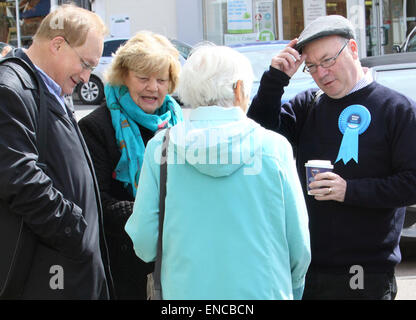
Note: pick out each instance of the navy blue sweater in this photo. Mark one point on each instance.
(365, 229)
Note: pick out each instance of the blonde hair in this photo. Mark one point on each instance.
(70, 22)
(145, 53)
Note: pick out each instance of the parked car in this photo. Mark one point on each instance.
(398, 71)
(260, 55)
(183, 48)
(92, 92)
(409, 44)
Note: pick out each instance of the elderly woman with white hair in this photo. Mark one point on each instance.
(235, 225)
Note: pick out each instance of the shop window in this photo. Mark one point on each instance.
(338, 7)
(293, 22)
(7, 21)
(238, 21)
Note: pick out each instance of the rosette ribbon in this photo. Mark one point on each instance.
(353, 121)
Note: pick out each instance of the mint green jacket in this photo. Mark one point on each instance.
(236, 225)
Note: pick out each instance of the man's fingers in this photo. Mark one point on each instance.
(288, 60)
(292, 43)
(328, 175)
(294, 53)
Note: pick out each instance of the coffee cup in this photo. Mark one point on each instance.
(313, 167)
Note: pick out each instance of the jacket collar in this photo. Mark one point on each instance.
(29, 83)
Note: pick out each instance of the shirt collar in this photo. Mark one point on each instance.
(365, 81)
(52, 86)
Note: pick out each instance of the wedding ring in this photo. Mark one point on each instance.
(329, 190)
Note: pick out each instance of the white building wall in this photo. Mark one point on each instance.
(154, 15)
(356, 14)
(189, 21)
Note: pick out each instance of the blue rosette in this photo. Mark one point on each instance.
(353, 121)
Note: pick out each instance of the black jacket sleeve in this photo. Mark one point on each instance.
(26, 190)
(99, 136)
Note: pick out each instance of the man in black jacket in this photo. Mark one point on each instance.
(58, 252)
(366, 130)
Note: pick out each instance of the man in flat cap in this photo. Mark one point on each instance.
(356, 212)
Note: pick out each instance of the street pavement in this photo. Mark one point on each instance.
(82, 110)
(406, 276)
(405, 272)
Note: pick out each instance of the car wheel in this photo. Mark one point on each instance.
(91, 92)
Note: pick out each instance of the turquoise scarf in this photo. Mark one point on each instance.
(126, 116)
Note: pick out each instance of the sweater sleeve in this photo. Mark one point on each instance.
(266, 105)
(267, 108)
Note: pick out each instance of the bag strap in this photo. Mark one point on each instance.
(162, 197)
(41, 134)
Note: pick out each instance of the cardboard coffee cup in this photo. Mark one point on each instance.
(313, 167)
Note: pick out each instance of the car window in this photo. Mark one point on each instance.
(183, 48)
(261, 58)
(401, 80)
(260, 61)
(111, 46)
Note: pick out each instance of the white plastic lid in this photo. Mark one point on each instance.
(319, 164)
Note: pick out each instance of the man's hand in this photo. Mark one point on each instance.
(288, 60)
(328, 186)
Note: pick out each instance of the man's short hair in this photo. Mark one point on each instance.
(70, 22)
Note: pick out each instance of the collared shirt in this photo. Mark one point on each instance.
(53, 87)
(365, 81)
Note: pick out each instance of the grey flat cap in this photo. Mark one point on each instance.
(325, 26)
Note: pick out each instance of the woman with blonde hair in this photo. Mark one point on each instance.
(143, 74)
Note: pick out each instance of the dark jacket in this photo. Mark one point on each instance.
(129, 271)
(60, 205)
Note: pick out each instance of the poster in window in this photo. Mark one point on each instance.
(239, 16)
(313, 9)
(264, 20)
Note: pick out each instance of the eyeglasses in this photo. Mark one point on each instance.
(325, 63)
(84, 65)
